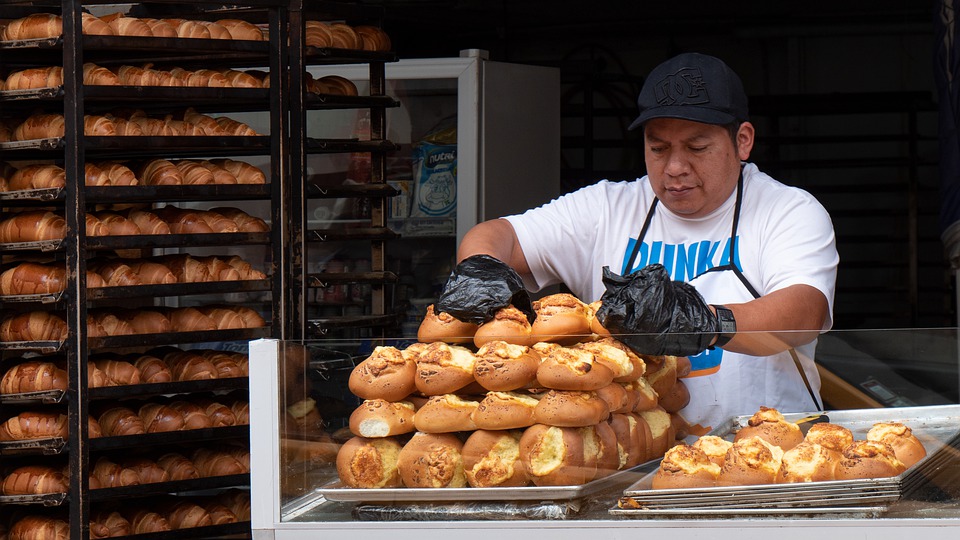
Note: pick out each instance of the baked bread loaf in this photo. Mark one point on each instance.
(505, 410)
(33, 376)
(147, 470)
(561, 318)
(869, 459)
(144, 521)
(34, 425)
(616, 397)
(32, 226)
(714, 447)
(446, 413)
(177, 466)
(770, 425)
(642, 395)
(240, 29)
(751, 460)
(502, 367)
(492, 459)
(38, 527)
(432, 460)
(218, 412)
(159, 417)
(661, 373)
(148, 222)
(216, 462)
(607, 452)
(677, 398)
(185, 514)
(33, 326)
(633, 439)
(194, 416)
(379, 418)
(807, 462)
(385, 374)
(444, 327)
(34, 480)
(119, 371)
(190, 319)
(152, 369)
(567, 408)
(373, 38)
(683, 467)
(566, 368)
(117, 225)
(444, 369)
(554, 456)
(662, 434)
(119, 421)
(243, 171)
(116, 524)
(906, 446)
(111, 474)
(190, 366)
(369, 463)
(40, 176)
(508, 324)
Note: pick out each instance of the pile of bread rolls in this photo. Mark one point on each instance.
(510, 403)
(770, 450)
(49, 25)
(155, 172)
(149, 516)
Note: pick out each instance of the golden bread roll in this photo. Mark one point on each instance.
(194, 416)
(492, 459)
(178, 466)
(508, 324)
(243, 171)
(502, 367)
(159, 418)
(750, 461)
(33, 376)
(343, 36)
(376, 418)
(633, 439)
(240, 29)
(38, 527)
(808, 462)
(373, 38)
(186, 514)
(677, 398)
(662, 433)
(683, 467)
(34, 425)
(432, 460)
(641, 395)
(905, 444)
(369, 463)
(116, 524)
(568, 408)
(444, 327)
(119, 371)
(616, 397)
(770, 425)
(561, 318)
(505, 410)
(119, 421)
(664, 377)
(566, 368)
(714, 447)
(34, 480)
(625, 364)
(385, 374)
(833, 437)
(32, 226)
(869, 459)
(446, 413)
(33, 278)
(145, 521)
(111, 474)
(211, 462)
(607, 452)
(554, 456)
(33, 326)
(595, 325)
(444, 369)
(40, 176)
(147, 470)
(160, 28)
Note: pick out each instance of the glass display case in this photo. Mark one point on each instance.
(300, 494)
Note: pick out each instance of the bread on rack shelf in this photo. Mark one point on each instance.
(115, 523)
(184, 514)
(149, 222)
(119, 421)
(186, 268)
(245, 172)
(130, 26)
(241, 79)
(33, 278)
(159, 417)
(33, 26)
(223, 317)
(246, 270)
(194, 416)
(160, 28)
(153, 370)
(121, 372)
(221, 176)
(216, 462)
(193, 173)
(45, 77)
(242, 30)
(184, 220)
(217, 31)
(115, 272)
(39, 527)
(34, 480)
(190, 366)
(373, 38)
(117, 225)
(189, 319)
(32, 226)
(233, 127)
(151, 272)
(119, 174)
(146, 521)
(34, 425)
(219, 514)
(160, 172)
(220, 270)
(145, 321)
(237, 500)
(251, 319)
(111, 474)
(33, 326)
(221, 415)
(218, 222)
(178, 466)
(95, 75)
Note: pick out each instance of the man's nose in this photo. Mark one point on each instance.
(676, 163)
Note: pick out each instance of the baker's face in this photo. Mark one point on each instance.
(693, 167)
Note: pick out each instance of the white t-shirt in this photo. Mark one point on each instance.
(785, 237)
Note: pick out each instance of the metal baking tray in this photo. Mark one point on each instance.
(335, 491)
(937, 427)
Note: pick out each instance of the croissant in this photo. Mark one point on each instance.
(317, 34)
(191, 29)
(241, 410)
(240, 29)
(373, 38)
(212, 462)
(146, 521)
(34, 26)
(117, 225)
(226, 364)
(130, 26)
(186, 268)
(40, 126)
(233, 127)
(194, 174)
(95, 227)
(218, 412)
(190, 366)
(95, 75)
(187, 515)
(116, 524)
(219, 514)
(120, 421)
(224, 318)
(158, 418)
(126, 128)
(194, 416)
(34, 480)
(207, 124)
(98, 126)
(38, 176)
(152, 369)
(218, 222)
(244, 221)
(34, 425)
(342, 36)
(251, 318)
(178, 466)
(33, 376)
(146, 321)
(148, 222)
(338, 85)
(120, 372)
(45, 77)
(152, 273)
(207, 78)
(182, 221)
(111, 474)
(155, 126)
(246, 270)
(136, 76)
(35, 527)
(33, 278)
(147, 470)
(32, 226)
(220, 270)
(221, 176)
(96, 378)
(33, 326)
(119, 174)
(160, 28)
(241, 79)
(94, 175)
(238, 501)
(115, 272)
(94, 26)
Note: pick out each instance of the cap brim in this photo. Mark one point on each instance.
(685, 112)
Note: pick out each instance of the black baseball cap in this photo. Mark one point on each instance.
(693, 86)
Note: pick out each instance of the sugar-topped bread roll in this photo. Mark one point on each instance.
(869, 459)
(492, 459)
(750, 461)
(685, 466)
(505, 410)
(369, 463)
(444, 369)
(624, 363)
(833, 437)
(770, 425)
(569, 408)
(445, 327)
(381, 418)
(385, 374)
(566, 368)
(508, 324)
(432, 460)
(553, 456)
(502, 366)
(714, 447)
(905, 444)
(446, 413)
(561, 318)
(807, 462)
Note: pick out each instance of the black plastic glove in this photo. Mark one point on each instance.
(480, 286)
(656, 315)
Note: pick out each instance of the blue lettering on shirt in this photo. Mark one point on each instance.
(683, 262)
(706, 362)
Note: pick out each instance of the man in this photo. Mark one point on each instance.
(705, 257)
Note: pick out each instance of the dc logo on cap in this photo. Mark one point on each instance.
(684, 87)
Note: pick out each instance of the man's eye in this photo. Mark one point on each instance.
(657, 149)
(697, 148)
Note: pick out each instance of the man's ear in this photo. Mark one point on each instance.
(745, 135)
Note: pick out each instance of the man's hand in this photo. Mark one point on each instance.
(480, 286)
(656, 315)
